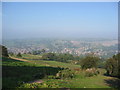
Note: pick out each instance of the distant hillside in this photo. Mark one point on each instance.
(101, 47)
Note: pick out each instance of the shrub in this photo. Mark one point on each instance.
(89, 62)
(112, 65)
(66, 73)
(19, 55)
(40, 85)
(3, 51)
(91, 72)
(39, 75)
(49, 56)
(64, 57)
(51, 77)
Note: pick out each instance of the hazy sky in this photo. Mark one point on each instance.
(67, 19)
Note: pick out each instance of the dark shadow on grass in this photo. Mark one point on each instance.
(13, 76)
(114, 83)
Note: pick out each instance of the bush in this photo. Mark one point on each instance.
(64, 57)
(49, 56)
(19, 55)
(50, 77)
(39, 76)
(89, 62)
(112, 66)
(3, 51)
(91, 72)
(40, 85)
(66, 73)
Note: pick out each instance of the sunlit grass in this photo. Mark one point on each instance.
(19, 73)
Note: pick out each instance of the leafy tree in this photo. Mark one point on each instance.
(101, 63)
(89, 62)
(35, 52)
(29, 52)
(57, 57)
(49, 56)
(65, 57)
(38, 52)
(43, 51)
(19, 55)
(11, 53)
(77, 57)
(4, 51)
(112, 66)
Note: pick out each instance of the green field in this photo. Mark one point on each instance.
(22, 74)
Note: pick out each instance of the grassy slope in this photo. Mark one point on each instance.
(16, 72)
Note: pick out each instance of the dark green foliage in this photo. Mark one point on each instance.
(89, 62)
(49, 56)
(64, 74)
(112, 65)
(11, 53)
(50, 77)
(39, 75)
(43, 51)
(29, 52)
(64, 57)
(57, 57)
(91, 72)
(38, 52)
(101, 63)
(77, 57)
(54, 85)
(4, 51)
(19, 55)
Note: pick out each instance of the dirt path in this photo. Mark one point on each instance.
(20, 59)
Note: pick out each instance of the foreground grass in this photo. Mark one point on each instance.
(18, 74)
(90, 82)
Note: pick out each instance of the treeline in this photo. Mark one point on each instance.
(58, 57)
(37, 52)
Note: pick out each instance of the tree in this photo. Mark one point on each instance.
(43, 51)
(89, 62)
(49, 56)
(11, 53)
(112, 66)
(65, 57)
(38, 52)
(29, 52)
(19, 55)
(34, 52)
(4, 51)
